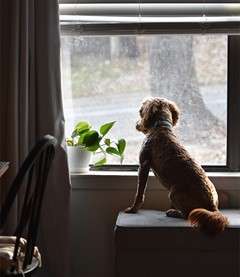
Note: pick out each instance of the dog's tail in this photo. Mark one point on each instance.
(210, 223)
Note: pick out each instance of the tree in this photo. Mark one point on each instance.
(173, 76)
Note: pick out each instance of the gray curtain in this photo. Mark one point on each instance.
(30, 107)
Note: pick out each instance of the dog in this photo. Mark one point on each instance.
(192, 195)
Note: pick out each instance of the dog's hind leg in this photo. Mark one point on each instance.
(178, 202)
(174, 213)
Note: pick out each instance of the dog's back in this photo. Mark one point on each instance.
(190, 190)
(178, 172)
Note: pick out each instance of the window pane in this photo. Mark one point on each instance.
(105, 78)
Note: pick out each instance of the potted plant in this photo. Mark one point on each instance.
(84, 141)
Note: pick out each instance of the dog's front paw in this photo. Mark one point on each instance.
(135, 207)
(131, 210)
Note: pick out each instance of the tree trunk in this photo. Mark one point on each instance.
(129, 47)
(173, 76)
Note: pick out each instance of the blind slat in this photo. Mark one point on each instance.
(138, 17)
(153, 9)
(156, 9)
(146, 1)
(100, 9)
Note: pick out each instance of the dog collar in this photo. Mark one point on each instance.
(162, 122)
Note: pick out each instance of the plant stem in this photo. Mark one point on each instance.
(103, 151)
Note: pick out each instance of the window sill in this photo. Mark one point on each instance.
(120, 180)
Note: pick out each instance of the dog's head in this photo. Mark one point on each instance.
(153, 109)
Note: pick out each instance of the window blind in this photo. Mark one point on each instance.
(150, 17)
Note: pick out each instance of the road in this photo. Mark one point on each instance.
(123, 108)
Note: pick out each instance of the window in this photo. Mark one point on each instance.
(105, 78)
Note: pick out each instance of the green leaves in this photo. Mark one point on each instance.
(93, 147)
(69, 142)
(121, 145)
(80, 128)
(112, 151)
(107, 141)
(101, 162)
(90, 138)
(105, 128)
(95, 141)
(119, 151)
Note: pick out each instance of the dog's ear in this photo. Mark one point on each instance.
(148, 116)
(151, 114)
(175, 112)
(154, 109)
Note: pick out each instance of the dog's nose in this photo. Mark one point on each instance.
(138, 126)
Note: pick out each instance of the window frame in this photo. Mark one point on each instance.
(233, 104)
(233, 107)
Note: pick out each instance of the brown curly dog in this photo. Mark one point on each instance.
(192, 194)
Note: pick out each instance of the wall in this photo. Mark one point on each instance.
(96, 200)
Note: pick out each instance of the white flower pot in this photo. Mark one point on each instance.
(78, 159)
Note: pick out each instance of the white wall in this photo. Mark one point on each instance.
(96, 200)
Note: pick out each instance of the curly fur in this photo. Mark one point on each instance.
(191, 192)
(208, 222)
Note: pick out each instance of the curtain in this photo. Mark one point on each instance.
(30, 107)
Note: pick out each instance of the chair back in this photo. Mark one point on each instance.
(33, 174)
